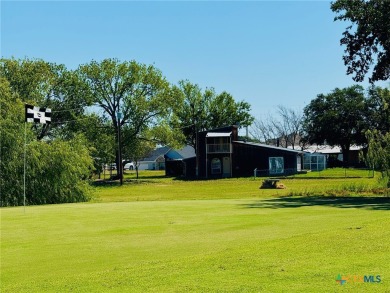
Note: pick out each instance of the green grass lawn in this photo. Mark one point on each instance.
(151, 235)
(153, 185)
(250, 245)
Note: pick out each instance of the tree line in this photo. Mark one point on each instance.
(344, 117)
(102, 103)
(93, 108)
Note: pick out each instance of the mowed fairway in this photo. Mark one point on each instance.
(225, 245)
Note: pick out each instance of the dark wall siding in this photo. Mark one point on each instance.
(202, 150)
(249, 157)
(190, 167)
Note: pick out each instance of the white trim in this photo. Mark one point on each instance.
(218, 134)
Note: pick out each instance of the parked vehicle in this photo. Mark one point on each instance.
(128, 166)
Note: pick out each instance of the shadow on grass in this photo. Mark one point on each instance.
(327, 177)
(371, 203)
(145, 177)
(126, 181)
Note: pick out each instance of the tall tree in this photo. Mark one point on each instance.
(224, 110)
(202, 110)
(337, 118)
(262, 130)
(137, 149)
(57, 170)
(291, 121)
(378, 109)
(45, 84)
(285, 129)
(367, 40)
(378, 154)
(139, 92)
(192, 115)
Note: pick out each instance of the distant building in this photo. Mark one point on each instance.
(220, 154)
(155, 160)
(334, 155)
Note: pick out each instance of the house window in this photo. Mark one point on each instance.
(215, 166)
(276, 165)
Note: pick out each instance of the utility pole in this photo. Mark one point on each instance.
(119, 167)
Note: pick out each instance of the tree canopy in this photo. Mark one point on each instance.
(137, 92)
(38, 82)
(367, 40)
(378, 109)
(284, 130)
(337, 118)
(202, 110)
(57, 171)
(378, 154)
(86, 124)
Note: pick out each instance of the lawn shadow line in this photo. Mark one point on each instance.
(370, 203)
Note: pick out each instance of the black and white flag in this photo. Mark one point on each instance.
(38, 115)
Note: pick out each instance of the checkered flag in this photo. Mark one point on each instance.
(38, 115)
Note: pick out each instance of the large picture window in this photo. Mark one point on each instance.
(276, 165)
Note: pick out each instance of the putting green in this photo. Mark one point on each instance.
(247, 245)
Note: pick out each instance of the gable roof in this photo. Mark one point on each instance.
(155, 154)
(187, 152)
(184, 153)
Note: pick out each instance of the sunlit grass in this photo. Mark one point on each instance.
(153, 185)
(338, 173)
(250, 245)
(161, 234)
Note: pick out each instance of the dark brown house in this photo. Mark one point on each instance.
(220, 154)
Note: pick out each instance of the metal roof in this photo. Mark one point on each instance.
(218, 134)
(155, 154)
(187, 152)
(269, 147)
(326, 149)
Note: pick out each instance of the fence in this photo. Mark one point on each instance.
(323, 174)
(269, 173)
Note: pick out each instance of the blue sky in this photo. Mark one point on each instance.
(267, 53)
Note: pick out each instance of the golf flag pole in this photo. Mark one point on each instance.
(24, 173)
(35, 115)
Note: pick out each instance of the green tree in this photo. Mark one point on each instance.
(378, 109)
(100, 142)
(192, 116)
(57, 171)
(11, 146)
(45, 84)
(137, 149)
(337, 118)
(202, 110)
(224, 110)
(139, 92)
(378, 154)
(367, 40)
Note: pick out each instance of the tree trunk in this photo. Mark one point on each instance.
(345, 152)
